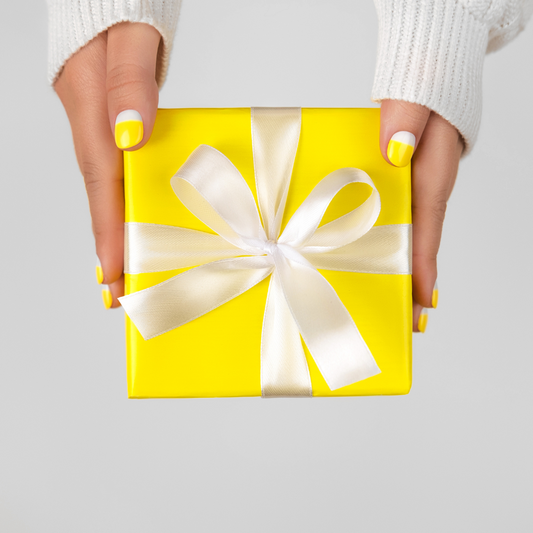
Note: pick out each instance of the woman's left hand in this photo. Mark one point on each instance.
(435, 146)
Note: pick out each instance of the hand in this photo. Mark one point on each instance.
(437, 148)
(113, 73)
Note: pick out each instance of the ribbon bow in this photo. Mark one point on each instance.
(244, 252)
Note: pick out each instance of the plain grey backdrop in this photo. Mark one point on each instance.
(77, 456)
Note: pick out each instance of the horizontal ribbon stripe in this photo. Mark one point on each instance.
(156, 248)
(248, 248)
(383, 250)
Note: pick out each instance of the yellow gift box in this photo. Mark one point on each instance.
(218, 354)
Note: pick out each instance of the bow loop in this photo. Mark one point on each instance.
(210, 186)
(302, 230)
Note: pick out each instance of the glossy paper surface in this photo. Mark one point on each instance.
(219, 353)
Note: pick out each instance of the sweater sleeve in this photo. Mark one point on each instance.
(431, 52)
(73, 23)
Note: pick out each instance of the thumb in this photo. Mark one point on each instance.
(402, 125)
(132, 92)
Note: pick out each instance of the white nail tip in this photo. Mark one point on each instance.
(129, 114)
(405, 137)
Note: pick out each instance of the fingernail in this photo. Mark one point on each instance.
(423, 320)
(107, 298)
(99, 272)
(128, 129)
(435, 296)
(401, 148)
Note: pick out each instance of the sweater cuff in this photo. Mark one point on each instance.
(431, 53)
(73, 23)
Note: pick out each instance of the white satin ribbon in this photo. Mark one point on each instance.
(245, 251)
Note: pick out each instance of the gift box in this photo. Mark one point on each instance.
(308, 295)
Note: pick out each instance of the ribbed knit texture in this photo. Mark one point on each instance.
(431, 52)
(73, 23)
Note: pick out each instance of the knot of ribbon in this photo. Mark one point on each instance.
(247, 247)
(269, 247)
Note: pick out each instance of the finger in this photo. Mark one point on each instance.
(112, 292)
(420, 318)
(401, 128)
(132, 91)
(82, 89)
(434, 172)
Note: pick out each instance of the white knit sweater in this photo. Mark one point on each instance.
(430, 52)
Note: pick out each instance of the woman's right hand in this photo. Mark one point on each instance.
(112, 74)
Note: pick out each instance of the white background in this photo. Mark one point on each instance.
(77, 456)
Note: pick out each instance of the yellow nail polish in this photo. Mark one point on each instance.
(423, 320)
(107, 298)
(129, 129)
(435, 296)
(401, 148)
(99, 273)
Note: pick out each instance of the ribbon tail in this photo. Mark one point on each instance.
(327, 328)
(194, 293)
(284, 370)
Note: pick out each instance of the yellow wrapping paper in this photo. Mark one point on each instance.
(218, 354)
